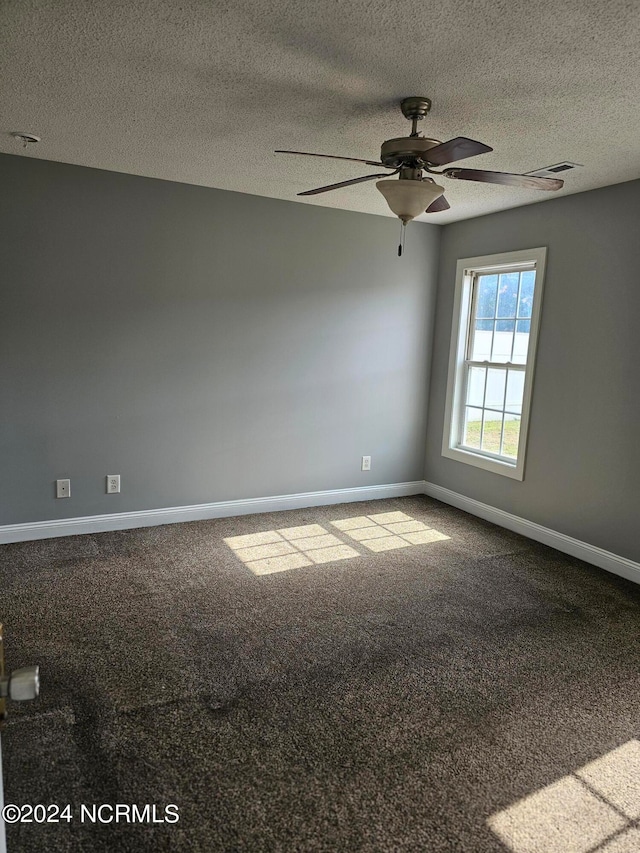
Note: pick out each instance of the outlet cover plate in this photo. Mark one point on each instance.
(113, 484)
(63, 488)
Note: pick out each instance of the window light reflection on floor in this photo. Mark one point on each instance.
(593, 810)
(387, 530)
(289, 548)
(295, 547)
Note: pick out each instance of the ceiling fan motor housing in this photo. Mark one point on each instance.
(406, 150)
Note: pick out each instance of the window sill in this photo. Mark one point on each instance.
(516, 472)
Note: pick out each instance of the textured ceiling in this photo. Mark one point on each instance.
(203, 92)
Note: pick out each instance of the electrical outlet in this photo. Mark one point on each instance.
(366, 463)
(63, 488)
(113, 484)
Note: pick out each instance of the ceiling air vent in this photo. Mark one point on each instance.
(552, 171)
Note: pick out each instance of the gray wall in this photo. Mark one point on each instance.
(582, 474)
(204, 345)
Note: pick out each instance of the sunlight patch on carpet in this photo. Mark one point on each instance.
(387, 531)
(591, 810)
(289, 548)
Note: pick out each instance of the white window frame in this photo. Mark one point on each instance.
(466, 269)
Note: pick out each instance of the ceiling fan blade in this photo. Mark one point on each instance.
(527, 182)
(439, 204)
(335, 157)
(456, 149)
(345, 183)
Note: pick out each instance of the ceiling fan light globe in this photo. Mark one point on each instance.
(409, 198)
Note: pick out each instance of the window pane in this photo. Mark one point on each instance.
(487, 292)
(503, 341)
(492, 431)
(472, 424)
(482, 337)
(475, 386)
(494, 397)
(511, 435)
(508, 294)
(515, 390)
(521, 342)
(526, 293)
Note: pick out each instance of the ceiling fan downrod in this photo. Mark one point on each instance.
(415, 109)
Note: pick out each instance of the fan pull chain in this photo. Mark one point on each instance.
(403, 231)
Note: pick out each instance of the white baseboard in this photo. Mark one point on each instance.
(199, 512)
(589, 553)
(222, 509)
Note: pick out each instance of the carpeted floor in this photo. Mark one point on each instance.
(397, 700)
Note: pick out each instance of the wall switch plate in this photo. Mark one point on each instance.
(63, 488)
(366, 463)
(113, 484)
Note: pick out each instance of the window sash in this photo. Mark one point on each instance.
(486, 365)
(475, 276)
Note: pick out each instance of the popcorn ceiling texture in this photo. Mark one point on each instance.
(202, 92)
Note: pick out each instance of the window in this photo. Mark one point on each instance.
(493, 343)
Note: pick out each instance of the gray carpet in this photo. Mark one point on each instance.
(394, 701)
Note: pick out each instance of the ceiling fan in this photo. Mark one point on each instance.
(409, 156)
